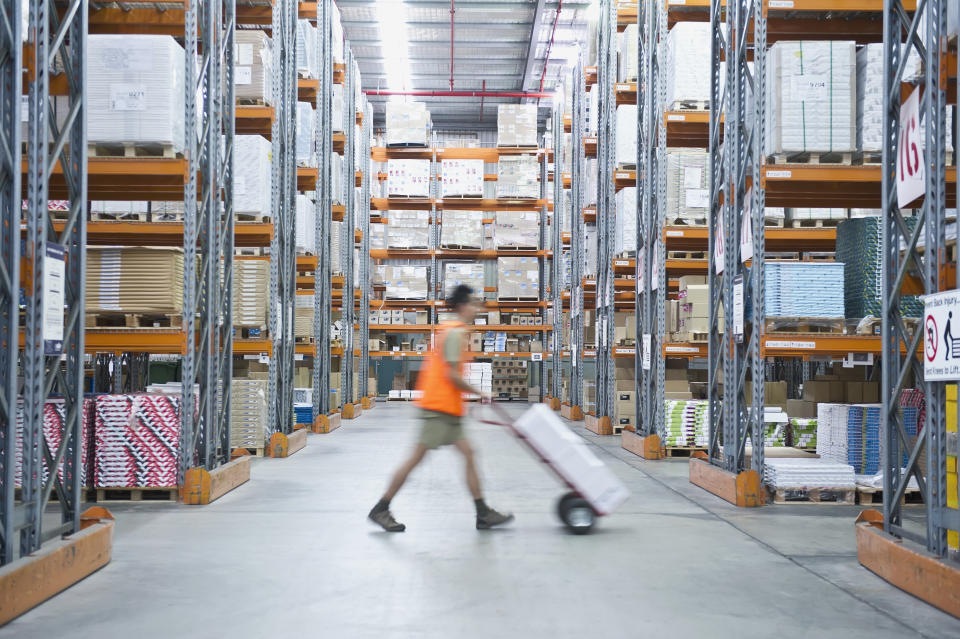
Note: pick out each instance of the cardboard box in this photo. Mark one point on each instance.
(775, 394)
(625, 385)
(625, 396)
(801, 408)
(871, 392)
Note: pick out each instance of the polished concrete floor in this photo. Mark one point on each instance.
(291, 554)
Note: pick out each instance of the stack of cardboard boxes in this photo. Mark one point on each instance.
(518, 278)
(517, 229)
(692, 310)
(518, 177)
(408, 124)
(842, 386)
(408, 178)
(462, 178)
(403, 282)
(455, 274)
(625, 405)
(625, 328)
(461, 229)
(479, 375)
(517, 125)
(408, 230)
(510, 378)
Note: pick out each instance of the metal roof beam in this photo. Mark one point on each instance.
(534, 40)
(479, 44)
(476, 6)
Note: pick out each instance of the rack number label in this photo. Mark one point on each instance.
(536, 357)
(910, 176)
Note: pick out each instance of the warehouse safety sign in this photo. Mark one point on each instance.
(941, 336)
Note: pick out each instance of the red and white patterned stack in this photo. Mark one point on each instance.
(137, 441)
(54, 413)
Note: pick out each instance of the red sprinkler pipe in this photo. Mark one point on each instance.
(452, 11)
(462, 94)
(553, 32)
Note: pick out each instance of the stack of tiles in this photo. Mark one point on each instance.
(518, 278)
(54, 413)
(308, 50)
(134, 280)
(518, 177)
(688, 65)
(408, 124)
(248, 412)
(479, 375)
(688, 187)
(816, 214)
(303, 413)
(804, 432)
(516, 125)
(811, 99)
(303, 316)
(408, 178)
(253, 178)
(462, 229)
(685, 423)
(251, 293)
(807, 473)
(859, 248)
(456, 274)
(804, 290)
(253, 70)
(306, 134)
(137, 441)
(408, 229)
(306, 225)
(626, 127)
(461, 178)
(136, 90)
(626, 218)
(517, 229)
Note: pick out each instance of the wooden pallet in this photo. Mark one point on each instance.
(684, 451)
(816, 256)
(815, 223)
(134, 320)
(147, 493)
(870, 157)
(833, 496)
(303, 340)
(252, 251)
(520, 148)
(686, 221)
(252, 332)
(405, 145)
(686, 255)
(249, 217)
(691, 338)
(517, 248)
(689, 105)
(463, 197)
(251, 102)
(626, 166)
(509, 300)
(132, 150)
(459, 247)
(120, 217)
(814, 157)
(773, 222)
(874, 496)
(256, 452)
(833, 326)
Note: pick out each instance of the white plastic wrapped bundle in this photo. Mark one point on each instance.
(462, 229)
(408, 124)
(336, 183)
(378, 236)
(688, 64)
(336, 230)
(306, 134)
(252, 177)
(518, 177)
(688, 194)
(628, 67)
(408, 229)
(251, 292)
(518, 277)
(404, 282)
(593, 177)
(308, 51)
(590, 251)
(517, 229)
(626, 219)
(337, 34)
(306, 225)
(811, 99)
(817, 214)
(626, 145)
(135, 90)
(455, 274)
(336, 120)
(253, 67)
(408, 178)
(462, 178)
(870, 97)
(517, 125)
(593, 112)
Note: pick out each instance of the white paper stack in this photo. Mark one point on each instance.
(408, 229)
(628, 67)
(135, 91)
(626, 146)
(306, 134)
(462, 229)
(336, 230)
(590, 251)
(787, 472)
(306, 225)
(455, 274)
(408, 124)
(462, 178)
(308, 50)
(688, 65)
(253, 67)
(336, 182)
(518, 177)
(593, 172)
(817, 214)
(408, 178)
(251, 293)
(626, 221)
(336, 120)
(248, 412)
(517, 229)
(404, 282)
(688, 194)
(832, 432)
(337, 34)
(811, 99)
(518, 277)
(517, 125)
(870, 97)
(253, 176)
(378, 236)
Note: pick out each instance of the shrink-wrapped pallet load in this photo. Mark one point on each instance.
(136, 441)
(408, 124)
(306, 222)
(808, 290)
(518, 177)
(517, 229)
(462, 178)
(688, 194)
(308, 52)
(336, 120)
(306, 134)
(252, 176)
(626, 144)
(626, 221)
(303, 316)
(404, 282)
(462, 229)
(134, 280)
(688, 66)
(251, 293)
(336, 241)
(253, 68)
(336, 179)
(518, 278)
(628, 63)
(408, 229)
(135, 91)
(455, 274)
(517, 125)
(408, 178)
(811, 97)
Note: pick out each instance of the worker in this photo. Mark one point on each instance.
(441, 413)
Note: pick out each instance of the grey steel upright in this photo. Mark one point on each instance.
(901, 341)
(577, 236)
(50, 38)
(349, 225)
(542, 245)
(651, 205)
(556, 261)
(366, 166)
(322, 282)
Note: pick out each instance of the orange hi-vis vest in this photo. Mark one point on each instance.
(439, 393)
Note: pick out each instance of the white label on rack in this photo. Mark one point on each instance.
(245, 53)
(791, 344)
(298, 357)
(780, 4)
(676, 117)
(780, 174)
(625, 351)
(623, 87)
(681, 349)
(243, 75)
(128, 97)
(622, 176)
(251, 357)
(679, 2)
(621, 263)
(645, 357)
(674, 233)
(264, 359)
(536, 357)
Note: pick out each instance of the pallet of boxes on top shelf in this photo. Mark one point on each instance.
(253, 68)
(516, 126)
(408, 124)
(518, 177)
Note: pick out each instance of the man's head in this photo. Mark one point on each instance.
(462, 303)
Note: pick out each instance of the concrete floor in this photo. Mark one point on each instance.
(291, 554)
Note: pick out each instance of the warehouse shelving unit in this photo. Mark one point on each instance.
(556, 266)
(577, 239)
(364, 320)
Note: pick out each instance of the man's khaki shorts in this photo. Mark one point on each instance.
(439, 429)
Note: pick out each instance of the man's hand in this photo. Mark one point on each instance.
(486, 398)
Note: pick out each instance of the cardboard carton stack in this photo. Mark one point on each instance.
(408, 124)
(625, 328)
(518, 278)
(462, 229)
(253, 68)
(518, 177)
(624, 405)
(408, 229)
(303, 317)
(517, 229)
(516, 125)
(404, 282)
(693, 318)
(251, 293)
(510, 378)
(408, 178)
(479, 375)
(626, 221)
(462, 178)
(134, 280)
(455, 274)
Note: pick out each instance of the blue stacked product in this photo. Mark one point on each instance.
(303, 413)
(859, 248)
(804, 289)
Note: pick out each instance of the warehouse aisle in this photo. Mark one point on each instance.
(291, 554)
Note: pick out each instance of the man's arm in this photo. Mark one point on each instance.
(453, 355)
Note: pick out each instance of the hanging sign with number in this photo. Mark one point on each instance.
(910, 179)
(746, 229)
(719, 254)
(655, 268)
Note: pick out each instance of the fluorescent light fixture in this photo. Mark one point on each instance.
(392, 22)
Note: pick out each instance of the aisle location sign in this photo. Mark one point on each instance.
(746, 229)
(719, 254)
(941, 336)
(910, 179)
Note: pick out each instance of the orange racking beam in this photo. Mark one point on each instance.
(255, 120)
(246, 234)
